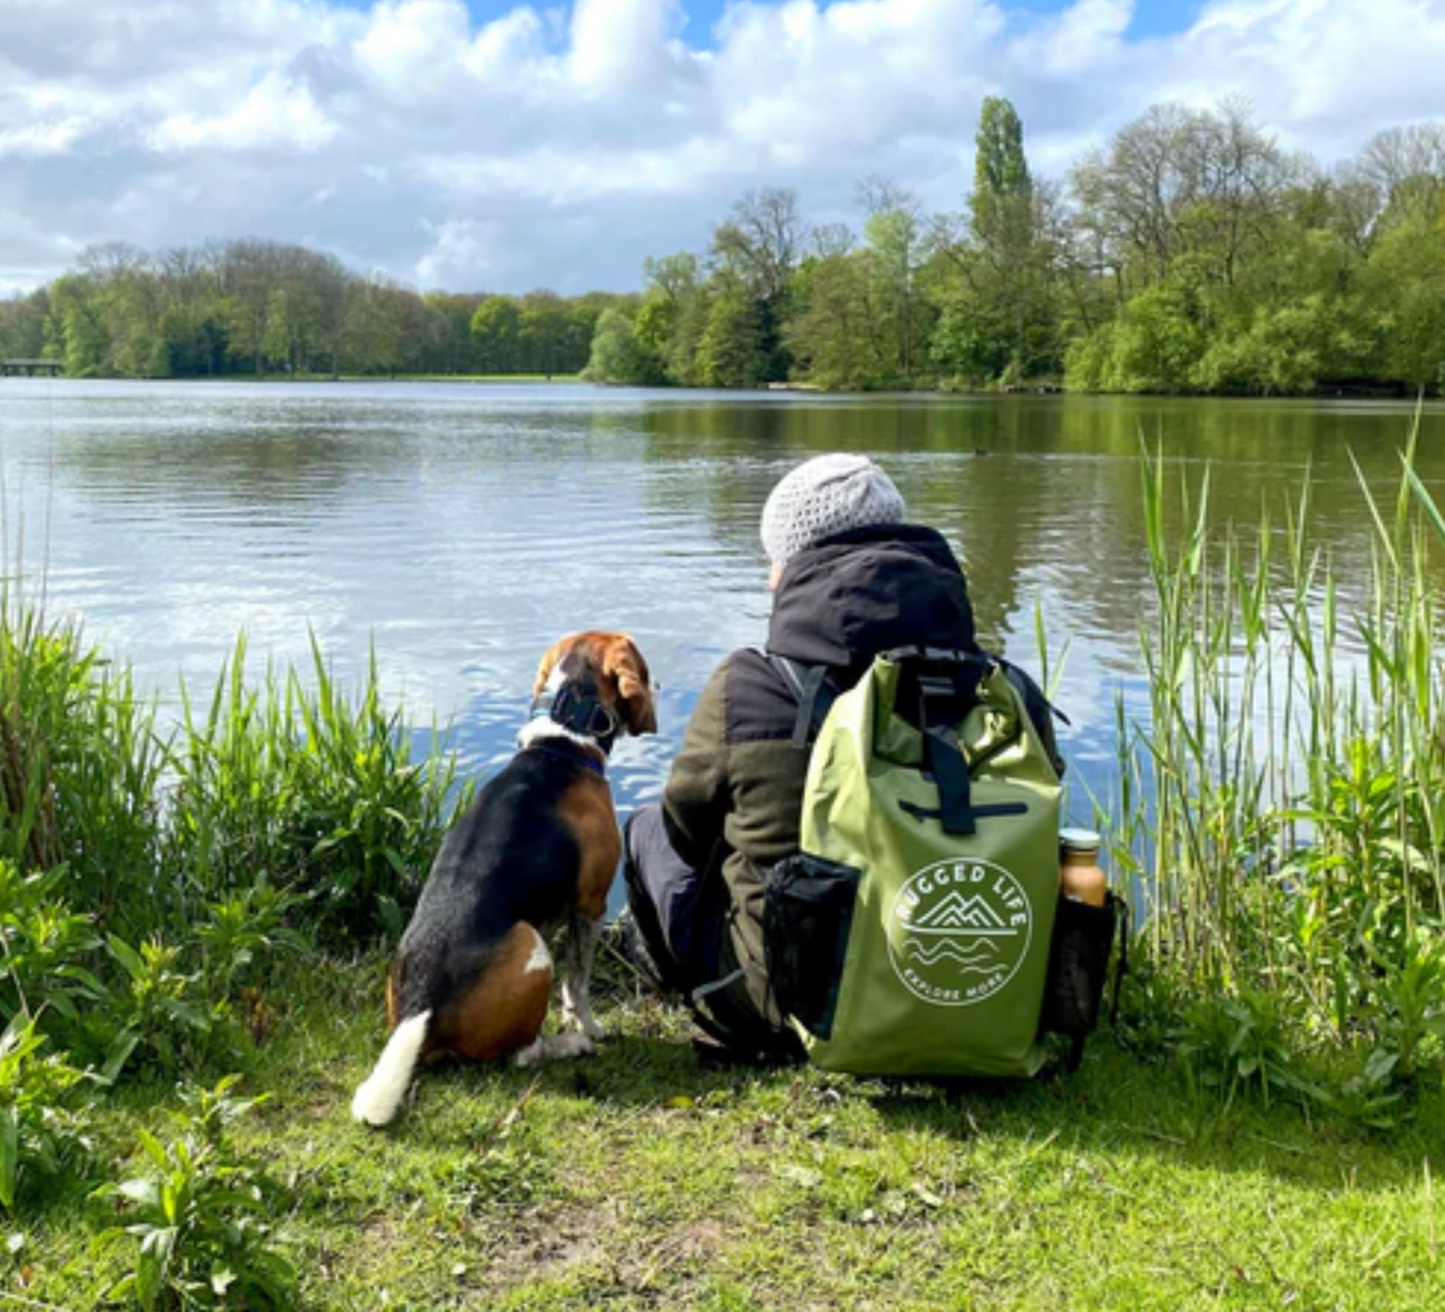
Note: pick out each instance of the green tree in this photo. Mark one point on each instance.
(732, 351)
(278, 342)
(831, 334)
(998, 321)
(497, 335)
(754, 253)
(893, 255)
(617, 357)
(76, 332)
(1404, 288)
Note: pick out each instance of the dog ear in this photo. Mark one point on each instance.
(624, 663)
(549, 663)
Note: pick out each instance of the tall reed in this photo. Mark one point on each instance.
(309, 789)
(1284, 804)
(80, 766)
(289, 782)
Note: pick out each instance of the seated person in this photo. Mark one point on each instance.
(850, 580)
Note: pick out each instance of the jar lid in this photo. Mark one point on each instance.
(1079, 840)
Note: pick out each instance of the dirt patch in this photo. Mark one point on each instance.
(548, 1242)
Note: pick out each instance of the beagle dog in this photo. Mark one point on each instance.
(534, 853)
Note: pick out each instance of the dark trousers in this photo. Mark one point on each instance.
(681, 916)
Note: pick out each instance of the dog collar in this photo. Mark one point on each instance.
(567, 750)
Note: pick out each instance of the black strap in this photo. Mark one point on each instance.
(1123, 924)
(810, 713)
(979, 812)
(945, 755)
(815, 691)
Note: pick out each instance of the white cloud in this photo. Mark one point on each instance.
(559, 146)
(274, 114)
(41, 136)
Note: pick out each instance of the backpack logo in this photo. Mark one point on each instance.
(958, 931)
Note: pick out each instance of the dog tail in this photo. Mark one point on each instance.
(379, 1098)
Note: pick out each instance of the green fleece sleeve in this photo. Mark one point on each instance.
(695, 801)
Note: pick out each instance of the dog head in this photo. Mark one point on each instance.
(606, 666)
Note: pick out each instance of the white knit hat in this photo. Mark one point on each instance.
(827, 495)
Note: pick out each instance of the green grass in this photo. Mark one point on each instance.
(639, 1180)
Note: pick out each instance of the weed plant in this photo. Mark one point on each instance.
(152, 880)
(1283, 810)
(200, 1216)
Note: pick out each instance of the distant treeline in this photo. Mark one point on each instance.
(1190, 253)
(258, 307)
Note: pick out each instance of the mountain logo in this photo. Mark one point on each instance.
(958, 931)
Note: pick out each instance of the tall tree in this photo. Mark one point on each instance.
(1002, 184)
(754, 253)
(998, 321)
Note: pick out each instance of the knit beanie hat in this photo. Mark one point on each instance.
(826, 495)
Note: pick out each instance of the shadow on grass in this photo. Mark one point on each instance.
(648, 1074)
(1115, 1103)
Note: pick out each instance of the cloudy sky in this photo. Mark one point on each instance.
(485, 144)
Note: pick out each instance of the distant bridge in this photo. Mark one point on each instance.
(31, 368)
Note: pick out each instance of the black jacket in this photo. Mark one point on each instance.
(734, 796)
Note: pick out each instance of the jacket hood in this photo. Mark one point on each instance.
(859, 593)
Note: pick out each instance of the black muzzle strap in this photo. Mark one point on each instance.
(587, 716)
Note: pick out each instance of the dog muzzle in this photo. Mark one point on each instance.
(586, 716)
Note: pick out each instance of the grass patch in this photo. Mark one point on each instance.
(640, 1180)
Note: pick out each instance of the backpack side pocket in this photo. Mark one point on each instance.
(807, 917)
(1078, 966)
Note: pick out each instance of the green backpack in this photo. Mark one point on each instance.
(913, 932)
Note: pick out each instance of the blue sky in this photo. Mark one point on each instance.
(1151, 17)
(506, 145)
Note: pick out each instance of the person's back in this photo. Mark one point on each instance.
(851, 580)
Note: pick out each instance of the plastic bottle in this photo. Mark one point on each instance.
(1079, 874)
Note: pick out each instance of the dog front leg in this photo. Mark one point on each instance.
(581, 948)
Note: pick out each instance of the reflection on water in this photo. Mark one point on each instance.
(457, 530)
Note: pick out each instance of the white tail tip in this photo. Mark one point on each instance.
(379, 1099)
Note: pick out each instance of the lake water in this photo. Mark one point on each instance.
(458, 529)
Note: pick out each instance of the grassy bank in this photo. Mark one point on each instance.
(182, 905)
(639, 1180)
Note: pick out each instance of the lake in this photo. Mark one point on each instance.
(456, 530)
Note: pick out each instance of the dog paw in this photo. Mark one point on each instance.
(552, 1047)
(572, 1045)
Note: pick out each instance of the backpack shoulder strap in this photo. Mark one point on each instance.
(814, 690)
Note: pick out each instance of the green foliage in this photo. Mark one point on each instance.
(497, 335)
(309, 792)
(159, 1017)
(1285, 820)
(80, 767)
(141, 937)
(39, 1139)
(618, 355)
(257, 307)
(732, 350)
(202, 1216)
(1240, 1042)
(830, 335)
(49, 955)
